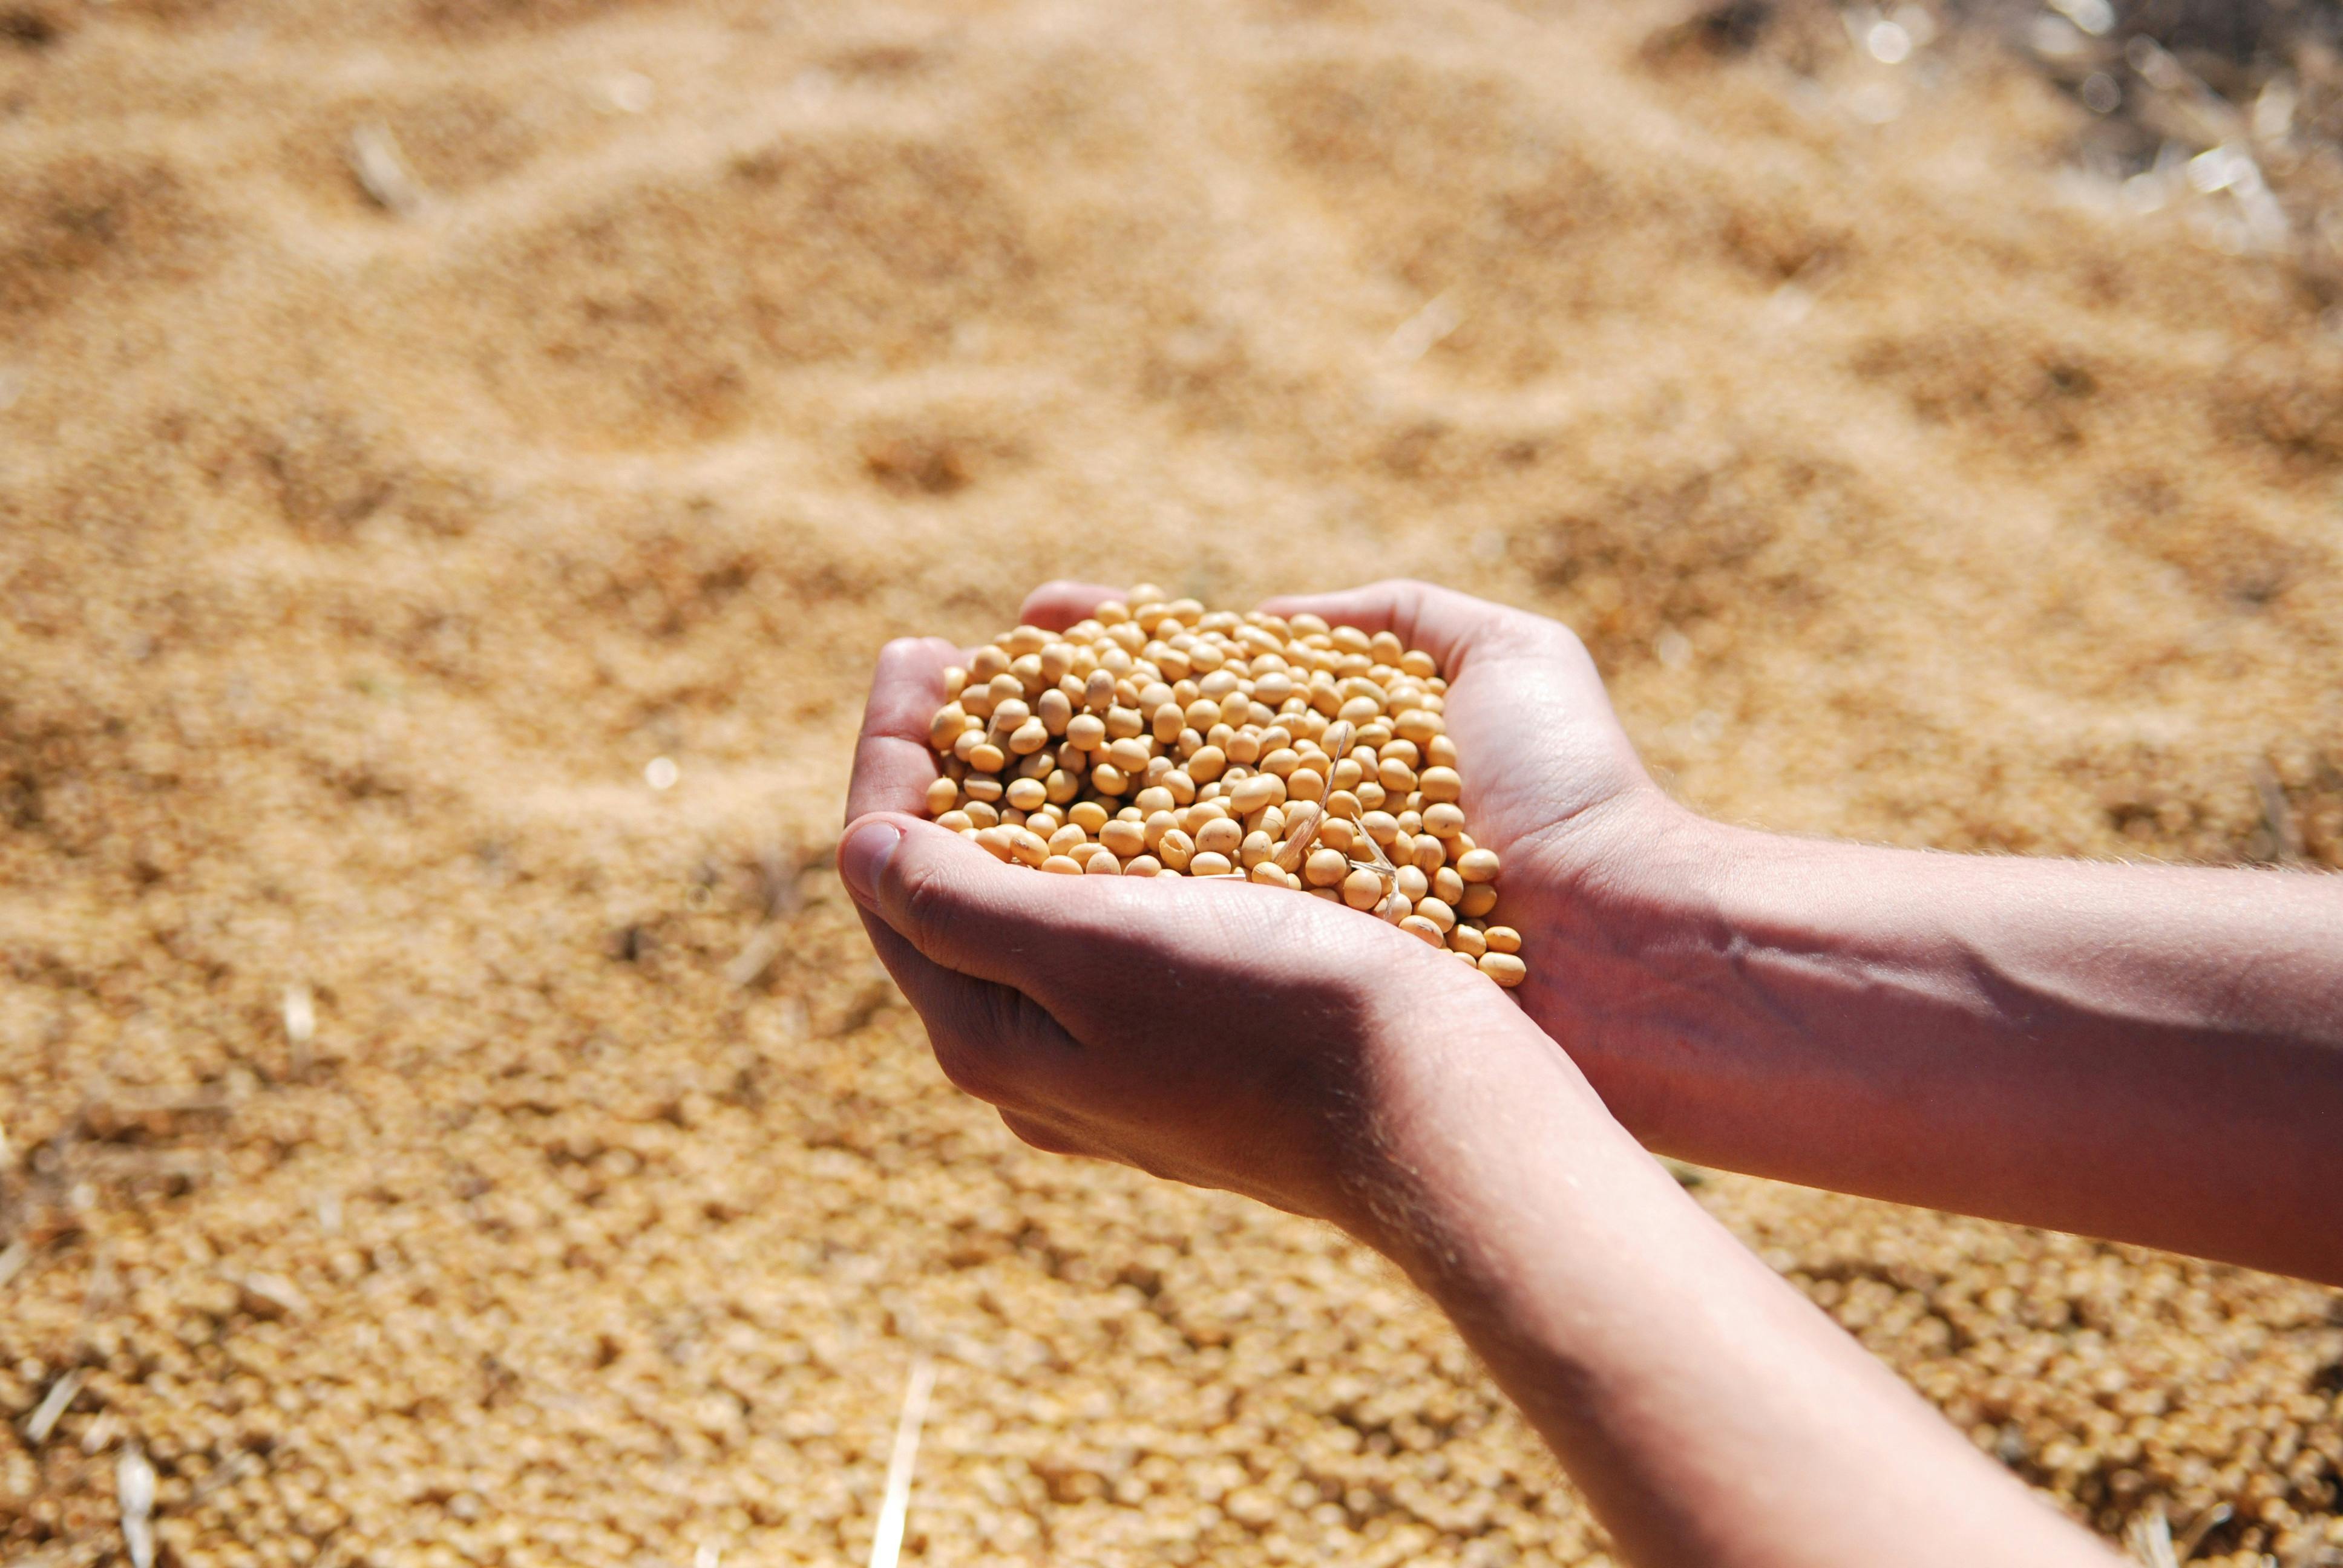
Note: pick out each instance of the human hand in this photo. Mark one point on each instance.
(1552, 783)
(1217, 1032)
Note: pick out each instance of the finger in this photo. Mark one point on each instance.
(1068, 941)
(1451, 627)
(992, 1041)
(971, 914)
(893, 765)
(1055, 606)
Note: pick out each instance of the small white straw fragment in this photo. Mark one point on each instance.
(134, 1491)
(896, 1506)
(706, 1556)
(44, 1419)
(1416, 337)
(301, 1014)
(756, 956)
(381, 172)
(2149, 1536)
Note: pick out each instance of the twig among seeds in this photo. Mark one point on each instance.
(895, 1504)
(381, 172)
(1159, 739)
(44, 1416)
(134, 1492)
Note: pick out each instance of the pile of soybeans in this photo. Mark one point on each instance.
(1155, 739)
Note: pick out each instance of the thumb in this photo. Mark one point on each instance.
(968, 912)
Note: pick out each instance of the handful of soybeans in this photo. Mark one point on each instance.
(1157, 739)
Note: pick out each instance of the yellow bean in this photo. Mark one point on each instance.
(1103, 864)
(1363, 889)
(1143, 865)
(1440, 784)
(1503, 939)
(1127, 840)
(1255, 848)
(1252, 794)
(1444, 820)
(1220, 836)
(1029, 794)
(1478, 865)
(1326, 868)
(1208, 764)
(1437, 913)
(1418, 927)
(1209, 864)
(1506, 969)
(1062, 865)
(1176, 849)
(1479, 897)
(1466, 940)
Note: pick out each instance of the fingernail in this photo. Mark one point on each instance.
(862, 859)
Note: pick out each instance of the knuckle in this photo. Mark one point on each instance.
(929, 898)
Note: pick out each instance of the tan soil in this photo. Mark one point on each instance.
(357, 561)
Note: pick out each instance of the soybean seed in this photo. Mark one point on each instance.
(1506, 969)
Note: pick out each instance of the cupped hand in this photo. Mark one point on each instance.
(1552, 783)
(1222, 1033)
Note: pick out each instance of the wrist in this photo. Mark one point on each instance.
(1456, 1084)
(1626, 924)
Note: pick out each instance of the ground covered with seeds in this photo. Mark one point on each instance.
(459, 461)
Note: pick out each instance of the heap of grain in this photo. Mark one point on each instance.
(1158, 739)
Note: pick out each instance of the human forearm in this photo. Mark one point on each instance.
(2150, 1054)
(1701, 1404)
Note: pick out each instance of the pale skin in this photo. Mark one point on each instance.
(2153, 1055)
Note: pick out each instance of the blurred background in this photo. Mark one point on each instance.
(458, 458)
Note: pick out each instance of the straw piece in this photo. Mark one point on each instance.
(896, 1506)
(134, 1491)
(380, 172)
(44, 1419)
